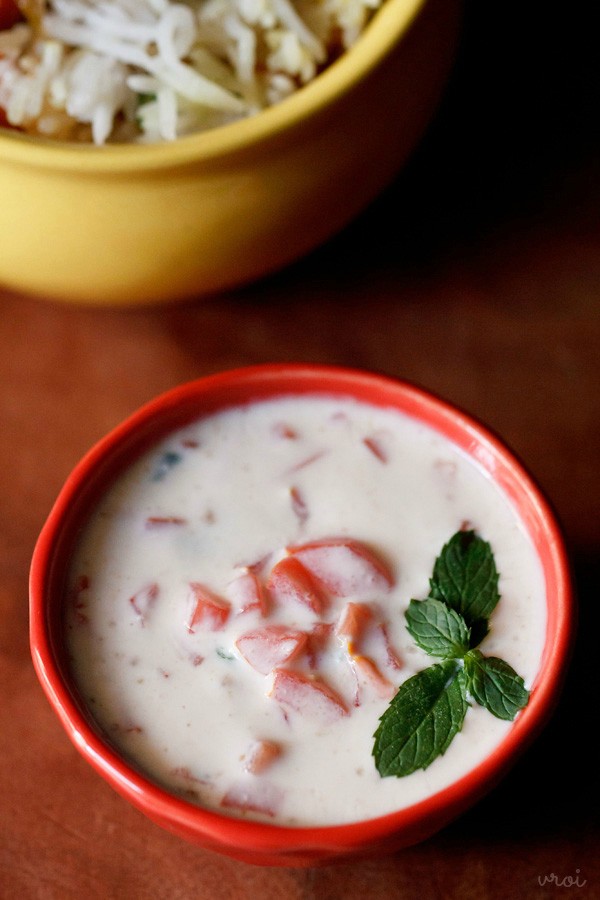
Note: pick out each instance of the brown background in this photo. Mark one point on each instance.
(477, 275)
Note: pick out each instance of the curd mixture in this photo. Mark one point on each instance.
(236, 605)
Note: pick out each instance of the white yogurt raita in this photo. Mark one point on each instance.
(219, 682)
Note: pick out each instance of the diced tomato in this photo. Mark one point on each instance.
(254, 796)
(266, 648)
(356, 698)
(209, 612)
(260, 755)
(78, 599)
(344, 567)
(143, 600)
(353, 622)
(339, 416)
(299, 504)
(126, 728)
(308, 696)
(9, 14)
(317, 641)
(283, 430)
(159, 521)
(247, 593)
(257, 566)
(186, 775)
(307, 461)
(446, 469)
(290, 581)
(352, 625)
(78, 590)
(370, 672)
(393, 657)
(375, 445)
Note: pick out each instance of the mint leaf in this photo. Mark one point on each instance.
(495, 685)
(437, 629)
(465, 578)
(422, 719)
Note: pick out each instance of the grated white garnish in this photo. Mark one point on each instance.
(155, 69)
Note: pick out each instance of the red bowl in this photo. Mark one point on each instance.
(252, 841)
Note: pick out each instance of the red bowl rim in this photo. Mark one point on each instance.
(174, 408)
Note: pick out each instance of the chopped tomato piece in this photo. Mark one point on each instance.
(79, 588)
(256, 565)
(344, 567)
(393, 657)
(307, 461)
(356, 698)
(353, 622)
(143, 600)
(260, 755)
(290, 580)
(352, 626)
(184, 773)
(317, 640)
(78, 597)
(210, 612)
(159, 521)
(308, 696)
(266, 648)
(376, 447)
(299, 504)
(126, 728)
(254, 796)
(283, 430)
(370, 672)
(9, 15)
(246, 593)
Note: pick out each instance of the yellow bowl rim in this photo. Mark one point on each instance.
(390, 22)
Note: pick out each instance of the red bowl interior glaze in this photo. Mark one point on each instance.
(256, 842)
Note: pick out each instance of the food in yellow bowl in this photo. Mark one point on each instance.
(158, 69)
(148, 222)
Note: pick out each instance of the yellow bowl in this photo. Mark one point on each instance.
(138, 224)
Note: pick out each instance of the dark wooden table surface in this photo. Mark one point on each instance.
(476, 275)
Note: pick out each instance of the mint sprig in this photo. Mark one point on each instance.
(429, 708)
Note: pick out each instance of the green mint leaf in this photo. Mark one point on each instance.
(421, 720)
(465, 578)
(495, 685)
(437, 629)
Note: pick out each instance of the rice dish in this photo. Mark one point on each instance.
(152, 70)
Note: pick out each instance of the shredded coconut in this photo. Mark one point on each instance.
(151, 70)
